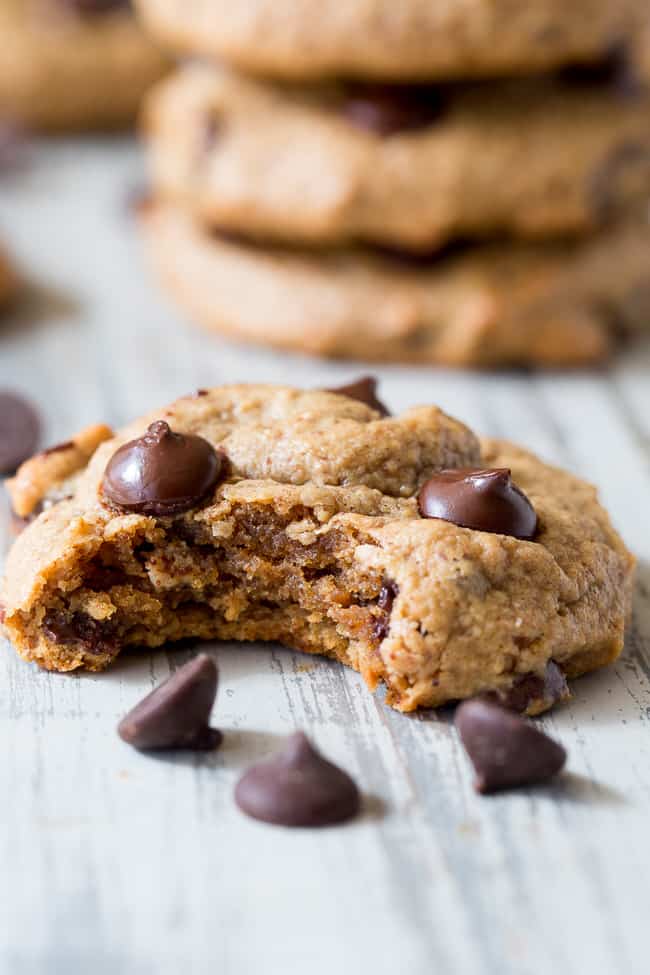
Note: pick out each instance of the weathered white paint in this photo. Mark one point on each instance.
(113, 863)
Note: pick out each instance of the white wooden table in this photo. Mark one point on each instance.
(113, 863)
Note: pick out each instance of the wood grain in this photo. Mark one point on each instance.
(112, 862)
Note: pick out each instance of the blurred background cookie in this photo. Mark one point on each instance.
(74, 64)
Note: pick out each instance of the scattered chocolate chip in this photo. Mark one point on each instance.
(364, 390)
(20, 429)
(533, 692)
(485, 500)
(505, 750)
(162, 472)
(94, 636)
(177, 713)
(390, 109)
(387, 594)
(298, 787)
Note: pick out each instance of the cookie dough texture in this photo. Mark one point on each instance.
(316, 522)
(559, 304)
(61, 70)
(412, 39)
(531, 159)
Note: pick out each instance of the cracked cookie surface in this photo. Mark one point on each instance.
(315, 540)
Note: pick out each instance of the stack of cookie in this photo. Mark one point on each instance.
(461, 183)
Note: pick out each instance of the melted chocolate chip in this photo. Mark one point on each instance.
(381, 625)
(177, 713)
(485, 500)
(364, 390)
(505, 750)
(388, 110)
(534, 691)
(298, 787)
(94, 636)
(19, 431)
(163, 473)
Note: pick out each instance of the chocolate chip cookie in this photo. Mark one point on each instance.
(74, 64)
(406, 167)
(309, 518)
(383, 39)
(556, 304)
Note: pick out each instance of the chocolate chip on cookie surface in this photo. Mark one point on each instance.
(162, 472)
(313, 537)
(486, 500)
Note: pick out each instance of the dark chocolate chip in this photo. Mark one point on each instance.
(388, 110)
(534, 691)
(298, 787)
(177, 713)
(20, 429)
(363, 389)
(505, 750)
(485, 500)
(94, 636)
(381, 625)
(162, 472)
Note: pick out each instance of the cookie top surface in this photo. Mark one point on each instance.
(379, 38)
(410, 167)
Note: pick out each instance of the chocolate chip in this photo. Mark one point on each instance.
(94, 636)
(364, 390)
(20, 429)
(298, 787)
(505, 750)
(163, 473)
(485, 500)
(177, 713)
(530, 691)
(388, 110)
(387, 594)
